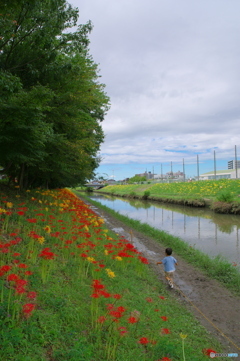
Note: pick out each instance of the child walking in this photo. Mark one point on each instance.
(169, 263)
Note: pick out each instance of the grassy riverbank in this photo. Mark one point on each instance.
(72, 290)
(223, 196)
(216, 268)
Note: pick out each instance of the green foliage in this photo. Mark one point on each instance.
(217, 268)
(65, 324)
(146, 194)
(89, 189)
(225, 196)
(52, 102)
(137, 179)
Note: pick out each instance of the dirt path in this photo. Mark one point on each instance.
(213, 305)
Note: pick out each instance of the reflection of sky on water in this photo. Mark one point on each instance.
(204, 233)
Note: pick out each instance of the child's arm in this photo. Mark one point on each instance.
(159, 263)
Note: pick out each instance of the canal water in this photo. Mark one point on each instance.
(211, 233)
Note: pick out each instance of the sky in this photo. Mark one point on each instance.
(171, 69)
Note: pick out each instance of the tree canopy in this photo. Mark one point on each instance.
(51, 101)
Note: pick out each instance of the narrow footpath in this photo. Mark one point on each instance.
(216, 308)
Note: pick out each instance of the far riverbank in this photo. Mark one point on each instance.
(222, 196)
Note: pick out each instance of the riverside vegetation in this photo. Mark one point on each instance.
(73, 290)
(217, 268)
(223, 196)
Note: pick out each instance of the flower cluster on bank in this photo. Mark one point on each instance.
(53, 228)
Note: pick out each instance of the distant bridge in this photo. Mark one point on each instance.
(94, 185)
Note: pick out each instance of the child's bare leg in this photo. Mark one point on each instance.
(169, 278)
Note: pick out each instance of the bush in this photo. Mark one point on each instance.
(146, 195)
(132, 194)
(225, 197)
(89, 189)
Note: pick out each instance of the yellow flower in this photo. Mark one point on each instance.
(9, 204)
(118, 258)
(110, 273)
(183, 336)
(41, 240)
(47, 229)
(86, 228)
(106, 252)
(2, 210)
(90, 259)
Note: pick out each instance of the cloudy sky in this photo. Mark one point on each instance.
(172, 72)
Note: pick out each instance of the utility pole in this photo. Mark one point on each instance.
(215, 172)
(197, 167)
(183, 171)
(236, 163)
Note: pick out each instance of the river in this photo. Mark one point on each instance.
(211, 233)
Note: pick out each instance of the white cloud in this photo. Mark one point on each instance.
(171, 69)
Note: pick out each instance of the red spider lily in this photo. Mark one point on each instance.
(101, 319)
(164, 318)
(95, 295)
(121, 309)
(16, 254)
(156, 310)
(165, 331)
(122, 330)
(22, 265)
(132, 320)
(20, 290)
(110, 306)
(124, 254)
(149, 299)
(117, 296)
(28, 273)
(21, 282)
(32, 220)
(104, 294)
(143, 341)
(21, 213)
(12, 277)
(116, 314)
(97, 285)
(4, 269)
(164, 359)
(143, 260)
(208, 351)
(47, 254)
(83, 255)
(28, 309)
(32, 295)
(162, 297)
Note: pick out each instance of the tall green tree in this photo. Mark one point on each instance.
(52, 103)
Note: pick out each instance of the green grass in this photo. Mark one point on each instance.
(217, 268)
(65, 324)
(197, 190)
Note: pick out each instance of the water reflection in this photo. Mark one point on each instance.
(214, 234)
